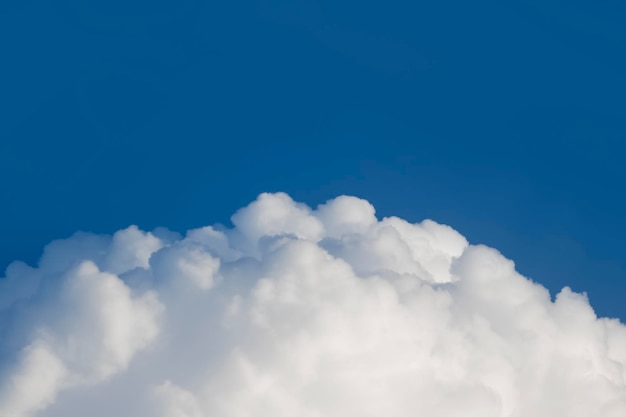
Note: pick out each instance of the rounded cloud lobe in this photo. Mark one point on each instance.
(297, 311)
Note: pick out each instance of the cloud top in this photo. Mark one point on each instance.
(298, 311)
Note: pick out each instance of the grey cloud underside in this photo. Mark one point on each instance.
(299, 312)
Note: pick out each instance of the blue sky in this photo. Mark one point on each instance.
(505, 121)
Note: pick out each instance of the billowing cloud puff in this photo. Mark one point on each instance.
(325, 312)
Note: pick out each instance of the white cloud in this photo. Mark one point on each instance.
(298, 311)
(172, 401)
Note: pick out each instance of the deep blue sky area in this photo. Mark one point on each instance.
(505, 120)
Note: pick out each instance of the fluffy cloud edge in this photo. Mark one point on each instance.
(300, 311)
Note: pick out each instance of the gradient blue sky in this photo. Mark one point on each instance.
(506, 121)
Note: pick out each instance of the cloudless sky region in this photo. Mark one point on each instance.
(505, 120)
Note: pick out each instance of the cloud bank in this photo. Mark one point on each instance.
(325, 312)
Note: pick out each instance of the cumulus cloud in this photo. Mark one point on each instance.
(325, 312)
